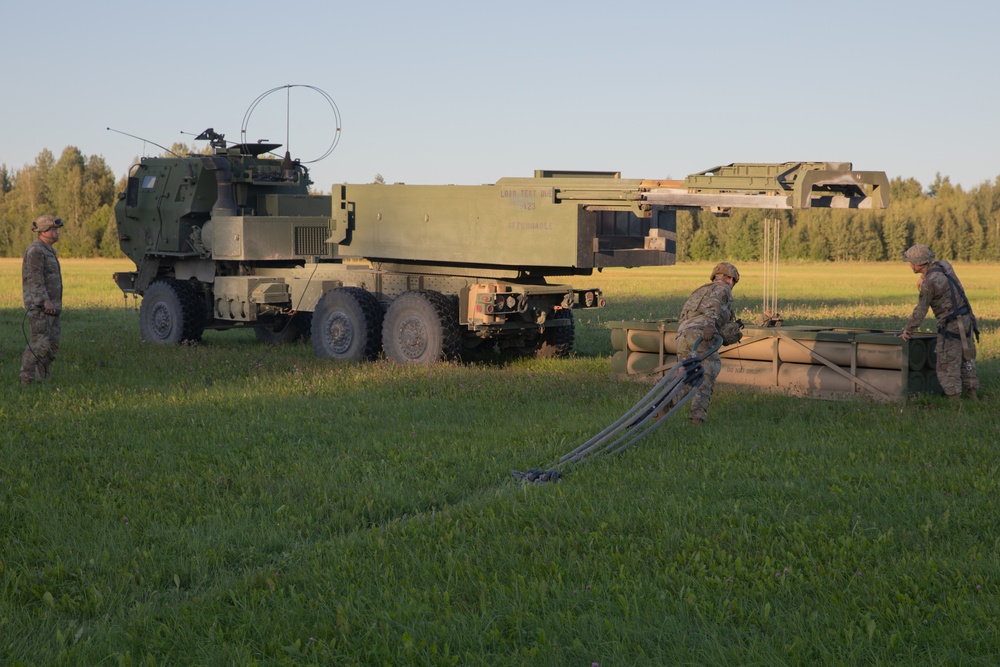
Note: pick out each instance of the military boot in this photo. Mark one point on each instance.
(29, 374)
(971, 394)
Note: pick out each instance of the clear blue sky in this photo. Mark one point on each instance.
(468, 92)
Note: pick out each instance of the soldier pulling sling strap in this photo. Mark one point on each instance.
(668, 395)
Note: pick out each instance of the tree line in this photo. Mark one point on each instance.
(958, 224)
(80, 190)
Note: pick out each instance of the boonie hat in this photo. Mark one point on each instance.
(46, 222)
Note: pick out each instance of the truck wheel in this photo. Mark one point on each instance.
(285, 330)
(171, 312)
(557, 341)
(421, 327)
(347, 325)
(197, 309)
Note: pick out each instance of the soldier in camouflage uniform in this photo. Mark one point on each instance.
(958, 332)
(41, 282)
(708, 311)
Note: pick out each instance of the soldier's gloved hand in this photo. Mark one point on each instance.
(708, 333)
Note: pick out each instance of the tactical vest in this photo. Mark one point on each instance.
(692, 314)
(960, 305)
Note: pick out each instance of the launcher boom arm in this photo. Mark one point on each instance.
(788, 185)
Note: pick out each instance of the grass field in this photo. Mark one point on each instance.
(228, 503)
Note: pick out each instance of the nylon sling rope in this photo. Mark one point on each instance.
(772, 234)
(668, 395)
(25, 333)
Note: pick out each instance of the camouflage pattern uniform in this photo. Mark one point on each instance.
(41, 281)
(709, 305)
(956, 366)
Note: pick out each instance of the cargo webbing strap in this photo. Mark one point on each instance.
(668, 395)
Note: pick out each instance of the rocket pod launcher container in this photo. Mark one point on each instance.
(821, 362)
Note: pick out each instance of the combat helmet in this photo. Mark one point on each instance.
(726, 269)
(44, 223)
(918, 254)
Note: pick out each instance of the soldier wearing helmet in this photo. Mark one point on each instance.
(707, 312)
(958, 332)
(41, 285)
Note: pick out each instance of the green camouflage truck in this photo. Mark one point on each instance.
(419, 272)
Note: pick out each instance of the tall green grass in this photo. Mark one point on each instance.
(231, 503)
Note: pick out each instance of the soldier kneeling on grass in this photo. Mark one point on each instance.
(709, 310)
(958, 332)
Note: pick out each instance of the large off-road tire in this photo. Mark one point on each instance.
(557, 342)
(421, 327)
(171, 312)
(285, 330)
(347, 325)
(200, 304)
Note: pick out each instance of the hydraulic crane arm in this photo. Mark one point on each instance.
(789, 185)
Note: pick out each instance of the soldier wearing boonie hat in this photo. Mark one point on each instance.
(41, 285)
(941, 291)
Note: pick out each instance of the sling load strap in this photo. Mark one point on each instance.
(664, 400)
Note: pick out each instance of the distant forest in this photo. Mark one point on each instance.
(958, 224)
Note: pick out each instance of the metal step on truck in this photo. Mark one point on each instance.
(417, 272)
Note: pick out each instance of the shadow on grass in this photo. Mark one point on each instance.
(102, 346)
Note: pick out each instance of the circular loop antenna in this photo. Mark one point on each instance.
(287, 88)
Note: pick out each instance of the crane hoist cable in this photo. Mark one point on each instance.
(668, 395)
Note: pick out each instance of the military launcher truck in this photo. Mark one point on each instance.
(235, 239)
